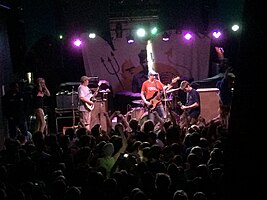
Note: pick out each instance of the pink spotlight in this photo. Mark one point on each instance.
(216, 34)
(77, 42)
(188, 36)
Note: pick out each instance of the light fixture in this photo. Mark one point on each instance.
(216, 34)
(165, 36)
(92, 35)
(118, 30)
(77, 42)
(130, 39)
(188, 36)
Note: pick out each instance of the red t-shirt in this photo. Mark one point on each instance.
(149, 88)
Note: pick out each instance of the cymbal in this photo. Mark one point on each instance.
(140, 102)
(105, 91)
(166, 99)
(173, 90)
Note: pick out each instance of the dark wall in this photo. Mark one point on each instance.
(246, 148)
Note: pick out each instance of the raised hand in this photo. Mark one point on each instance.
(174, 80)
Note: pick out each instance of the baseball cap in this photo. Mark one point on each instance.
(184, 84)
(84, 78)
(151, 73)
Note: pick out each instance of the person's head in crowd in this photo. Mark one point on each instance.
(119, 128)
(178, 160)
(70, 132)
(152, 137)
(81, 131)
(200, 196)
(180, 195)
(117, 142)
(85, 140)
(167, 153)
(198, 151)
(148, 126)
(193, 160)
(136, 145)
(162, 182)
(133, 123)
(96, 130)
(73, 193)
(110, 186)
(155, 152)
(108, 149)
(145, 154)
(83, 155)
(137, 194)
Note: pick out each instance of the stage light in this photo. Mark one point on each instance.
(141, 32)
(154, 30)
(60, 37)
(77, 42)
(165, 36)
(188, 36)
(216, 34)
(130, 39)
(92, 35)
(235, 27)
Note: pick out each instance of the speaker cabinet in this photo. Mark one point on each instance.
(67, 101)
(66, 118)
(98, 114)
(209, 101)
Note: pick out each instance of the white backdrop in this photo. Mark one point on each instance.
(188, 59)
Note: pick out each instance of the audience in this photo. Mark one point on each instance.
(130, 161)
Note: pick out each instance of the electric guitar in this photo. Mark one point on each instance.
(156, 98)
(92, 98)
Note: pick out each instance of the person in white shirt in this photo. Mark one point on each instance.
(85, 103)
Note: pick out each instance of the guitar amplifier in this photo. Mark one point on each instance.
(66, 101)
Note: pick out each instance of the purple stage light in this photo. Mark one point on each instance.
(216, 34)
(188, 36)
(77, 42)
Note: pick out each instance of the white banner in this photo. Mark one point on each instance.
(188, 59)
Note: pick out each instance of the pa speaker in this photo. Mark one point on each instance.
(98, 114)
(209, 102)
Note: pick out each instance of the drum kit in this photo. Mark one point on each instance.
(138, 110)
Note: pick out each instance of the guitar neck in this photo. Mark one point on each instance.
(96, 91)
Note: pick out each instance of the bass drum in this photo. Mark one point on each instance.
(137, 113)
(143, 119)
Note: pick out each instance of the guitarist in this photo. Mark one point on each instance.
(150, 94)
(192, 106)
(84, 95)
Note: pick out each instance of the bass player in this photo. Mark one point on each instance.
(151, 94)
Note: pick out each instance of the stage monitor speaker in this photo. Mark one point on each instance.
(209, 101)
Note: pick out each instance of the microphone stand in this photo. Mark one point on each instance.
(72, 105)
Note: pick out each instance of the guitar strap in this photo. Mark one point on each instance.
(156, 86)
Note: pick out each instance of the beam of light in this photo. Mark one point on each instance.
(150, 56)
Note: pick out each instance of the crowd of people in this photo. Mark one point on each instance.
(153, 160)
(159, 157)
(162, 155)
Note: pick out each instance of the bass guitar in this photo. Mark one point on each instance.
(154, 100)
(92, 98)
